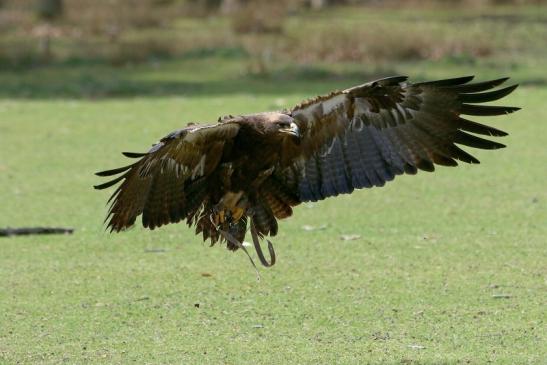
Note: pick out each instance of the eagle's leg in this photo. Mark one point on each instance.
(229, 216)
(230, 209)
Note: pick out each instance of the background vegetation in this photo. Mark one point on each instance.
(438, 268)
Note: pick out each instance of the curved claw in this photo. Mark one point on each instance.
(258, 249)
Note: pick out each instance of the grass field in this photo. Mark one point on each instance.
(425, 283)
(449, 267)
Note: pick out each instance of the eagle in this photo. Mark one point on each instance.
(246, 172)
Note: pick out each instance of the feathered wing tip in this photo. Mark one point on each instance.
(110, 173)
(117, 171)
(116, 222)
(471, 95)
(474, 93)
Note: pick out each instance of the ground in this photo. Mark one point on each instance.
(448, 267)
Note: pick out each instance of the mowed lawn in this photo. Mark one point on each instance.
(449, 267)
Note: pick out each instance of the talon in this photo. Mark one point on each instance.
(221, 216)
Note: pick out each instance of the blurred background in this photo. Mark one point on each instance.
(83, 48)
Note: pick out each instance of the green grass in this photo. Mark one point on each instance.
(419, 286)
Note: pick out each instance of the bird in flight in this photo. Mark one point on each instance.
(249, 171)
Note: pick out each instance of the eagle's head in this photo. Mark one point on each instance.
(281, 125)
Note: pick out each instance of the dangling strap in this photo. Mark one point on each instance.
(258, 249)
(256, 241)
(228, 237)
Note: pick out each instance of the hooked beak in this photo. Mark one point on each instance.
(293, 130)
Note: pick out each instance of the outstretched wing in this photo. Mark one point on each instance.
(167, 183)
(366, 135)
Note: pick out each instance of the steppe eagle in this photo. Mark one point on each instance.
(251, 170)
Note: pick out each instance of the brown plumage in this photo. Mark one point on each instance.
(252, 169)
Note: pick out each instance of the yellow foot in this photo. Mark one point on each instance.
(237, 213)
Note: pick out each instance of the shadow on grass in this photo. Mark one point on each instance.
(193, 75)
(196, 76)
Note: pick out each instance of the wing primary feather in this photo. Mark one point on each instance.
(477, 142)
(114, 194)
(421, 155)
(447, 82)
(487, 96)
(443, 160)
(133, 154)
(109, 183)
(410, 169)
(486, 110)
(392, 80)
(463, 156)
(114, 171)
(478, 86)
(442, 150)
(478, 128)
(426, 165)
